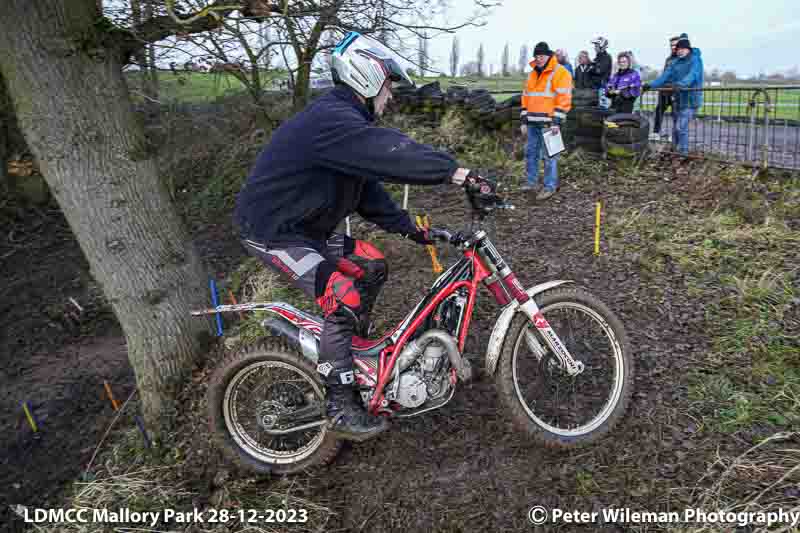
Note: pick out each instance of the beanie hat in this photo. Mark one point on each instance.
(684, 43)
(542, 49)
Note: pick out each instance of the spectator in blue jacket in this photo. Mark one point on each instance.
(685, 72)
(563, 60)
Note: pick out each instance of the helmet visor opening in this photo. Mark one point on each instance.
(396, 75)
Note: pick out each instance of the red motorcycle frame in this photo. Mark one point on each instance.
(376, 360)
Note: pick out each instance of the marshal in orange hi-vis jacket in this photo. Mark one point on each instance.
(547, 97)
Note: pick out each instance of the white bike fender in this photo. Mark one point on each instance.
(504, 321)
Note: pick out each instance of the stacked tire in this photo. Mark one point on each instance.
(456, 95)
(585, 98)
(584, 128)
(431, 97)
(504, 112)
(628, 137)
(405, 98)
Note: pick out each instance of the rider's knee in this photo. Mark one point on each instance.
(336, 293)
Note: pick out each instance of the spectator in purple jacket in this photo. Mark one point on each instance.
(625, 86)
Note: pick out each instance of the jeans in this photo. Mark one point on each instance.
(680, 130)
(664, 101)
(536, 150)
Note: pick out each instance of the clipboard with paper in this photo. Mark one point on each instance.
(553, 142)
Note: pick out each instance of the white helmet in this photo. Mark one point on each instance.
(364, 65)
(601, 42)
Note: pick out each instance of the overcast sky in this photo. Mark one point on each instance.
(743, 35)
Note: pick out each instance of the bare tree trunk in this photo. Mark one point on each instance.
(74, 110)
(142, 10)
(6, 116)
(151, 83)
(302, 81)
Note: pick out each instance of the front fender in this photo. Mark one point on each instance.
(504, 321)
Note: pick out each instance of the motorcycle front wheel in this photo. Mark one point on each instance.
(552, 407)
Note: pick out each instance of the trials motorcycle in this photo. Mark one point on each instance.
(560, 358)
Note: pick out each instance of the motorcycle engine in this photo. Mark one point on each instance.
(426, 379)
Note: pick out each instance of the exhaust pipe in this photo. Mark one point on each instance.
(298, 338)
(415, 348)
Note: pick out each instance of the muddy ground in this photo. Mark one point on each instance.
(462, 468)
(57, 357)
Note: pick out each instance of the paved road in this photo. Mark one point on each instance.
(740, 141)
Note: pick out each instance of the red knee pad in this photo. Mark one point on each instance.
(350, 269)
(339, 290)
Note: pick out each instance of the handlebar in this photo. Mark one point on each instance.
(440, 234)
(483, 197)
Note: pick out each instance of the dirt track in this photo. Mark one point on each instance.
(462, 468)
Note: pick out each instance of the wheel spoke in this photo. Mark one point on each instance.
(569, 404)
(256, 397)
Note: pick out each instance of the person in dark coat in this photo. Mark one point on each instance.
(583, 71)
(602, 64)
(664, 98)
(685, 76)
(321, 165)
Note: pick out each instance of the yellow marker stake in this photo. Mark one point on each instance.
(30, 417)
(597, 229)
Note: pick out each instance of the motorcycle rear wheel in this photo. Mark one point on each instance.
(536, 390)
(246, 392)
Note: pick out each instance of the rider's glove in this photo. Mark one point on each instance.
(421, 236)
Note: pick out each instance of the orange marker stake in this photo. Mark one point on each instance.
(426, 223)
(114, 403)
(234, 302)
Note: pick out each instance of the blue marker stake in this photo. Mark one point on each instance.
(213, 286)
(144, 432)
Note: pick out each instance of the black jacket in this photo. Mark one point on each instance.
(583, 77)
(327, 162)
(669, 60)
(601, 70)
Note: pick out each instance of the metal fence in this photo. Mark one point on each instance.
(753, 125)
(757, 125)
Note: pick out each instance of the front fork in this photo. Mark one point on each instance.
(501, 274)
(568, 363)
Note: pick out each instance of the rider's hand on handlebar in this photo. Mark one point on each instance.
(421, 236)
(460, 175)
(477, 184)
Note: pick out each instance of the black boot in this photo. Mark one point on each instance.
(348, 420)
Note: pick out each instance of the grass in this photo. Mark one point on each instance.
(739, 262)
(126, 475)
(197, 87)
(254, 283)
